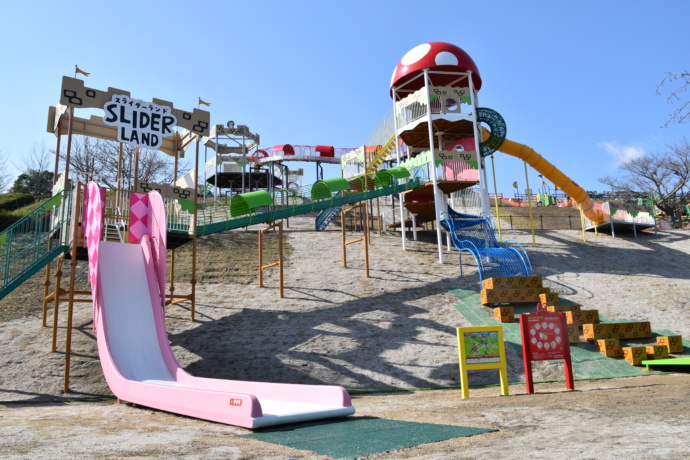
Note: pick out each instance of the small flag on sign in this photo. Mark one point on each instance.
(201, 101)
(78, 70)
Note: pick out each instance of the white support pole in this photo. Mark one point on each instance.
(401, 198)
(196, 179)
(215, 168)
(484, 185)
(438, 196)
(244, 167)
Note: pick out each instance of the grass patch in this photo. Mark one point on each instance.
(229, 257)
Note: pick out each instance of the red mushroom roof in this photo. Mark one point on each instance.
(437, 56)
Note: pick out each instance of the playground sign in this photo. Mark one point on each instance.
(139, 123)
(545, 337)
(75, 94)
(481, 347)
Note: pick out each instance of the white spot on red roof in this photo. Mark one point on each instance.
(446, 58)
(415, 54)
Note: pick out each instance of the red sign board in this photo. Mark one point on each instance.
(545, 337)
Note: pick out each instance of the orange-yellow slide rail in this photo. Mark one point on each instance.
(552, 173)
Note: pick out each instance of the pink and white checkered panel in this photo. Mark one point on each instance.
(138, 216)
(93, 225)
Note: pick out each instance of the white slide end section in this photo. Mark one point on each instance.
(141, 368)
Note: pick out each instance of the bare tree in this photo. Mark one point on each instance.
(662, 177)
(679, 82)
(36, 171)
(5, 176)
(40, 158)
(97, 160)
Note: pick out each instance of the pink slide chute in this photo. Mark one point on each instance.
(135, 354)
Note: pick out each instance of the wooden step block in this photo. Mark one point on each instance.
(491, 296)
(562, 308)
(504, 314)
(549, 299)
(635, 355)
(580, 317)
(674, 343)
(657, 352)
(573, 333)
(518, 282)
(641, 330)
(611, 348)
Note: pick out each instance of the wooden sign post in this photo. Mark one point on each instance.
(545, 337)
(481, 347)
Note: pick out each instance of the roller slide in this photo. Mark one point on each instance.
(135, 354)
(553, 174)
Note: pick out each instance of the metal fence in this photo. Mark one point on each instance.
(541, 222)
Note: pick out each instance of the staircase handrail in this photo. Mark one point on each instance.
(29, 242)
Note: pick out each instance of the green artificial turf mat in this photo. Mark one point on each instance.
(356, 437)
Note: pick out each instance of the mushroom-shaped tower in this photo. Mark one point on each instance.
(438, 56)
(434, 90)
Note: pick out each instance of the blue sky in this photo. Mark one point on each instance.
(576, 81)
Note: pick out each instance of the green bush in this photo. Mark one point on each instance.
(14, 206)
(14, 201)
(21, 212)
(7, 219)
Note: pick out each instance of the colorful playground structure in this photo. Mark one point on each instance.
(433, 136)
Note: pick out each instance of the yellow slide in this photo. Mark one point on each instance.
(552, 173)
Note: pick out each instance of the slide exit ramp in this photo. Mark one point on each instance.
(33, 241)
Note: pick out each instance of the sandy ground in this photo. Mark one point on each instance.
(393, 330)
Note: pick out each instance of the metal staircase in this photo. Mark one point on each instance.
(33, 241)
(380, 156)
(326, 216)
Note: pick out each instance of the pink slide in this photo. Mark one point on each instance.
(135, 354)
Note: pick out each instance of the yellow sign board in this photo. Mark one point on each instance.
(481, 347)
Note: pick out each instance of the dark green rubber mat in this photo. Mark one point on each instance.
(356, 437)
(588, 362)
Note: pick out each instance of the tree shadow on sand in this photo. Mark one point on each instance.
(363, 343)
